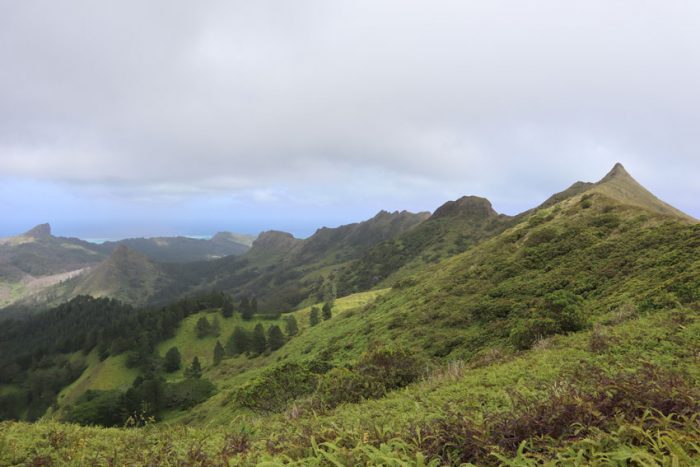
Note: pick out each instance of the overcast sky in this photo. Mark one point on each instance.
(164, 117)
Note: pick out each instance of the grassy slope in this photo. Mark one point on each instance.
(614, 256)
(479, 388)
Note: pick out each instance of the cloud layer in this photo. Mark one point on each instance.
(320, 105)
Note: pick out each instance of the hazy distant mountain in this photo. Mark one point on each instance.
(186, 249)
(35, 261)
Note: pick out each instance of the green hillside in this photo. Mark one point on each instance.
(568, 335)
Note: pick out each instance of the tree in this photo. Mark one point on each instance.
(246, 309)
(227, 308)
(215, 329)
(238, 342)
(254, 305)
(173, 360)
(314, 316)
(203, 328)
(275, 338)
(291, 326)
(327, 313)
(259, 343)
(195, 370)
(218, 353)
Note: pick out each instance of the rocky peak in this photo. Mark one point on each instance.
(40, 231)
(473, 207)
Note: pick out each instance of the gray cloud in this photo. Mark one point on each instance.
(320, 102)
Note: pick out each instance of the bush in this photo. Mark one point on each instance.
(274, 389)
(187, 393)
(561, 312)
(97, 408)
(376, 373)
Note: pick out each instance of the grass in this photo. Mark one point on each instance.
(595, 396)
(396, 427)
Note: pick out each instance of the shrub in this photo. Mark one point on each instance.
(187, 393)
(376, 373)
(275, 388)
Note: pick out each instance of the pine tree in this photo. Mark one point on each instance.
(246, 309)
(218, 353)
(259, 344)
(314, 316)
(195, 370)
(327, 313)
(238, 342)
(275, 337)
(203, 328)
(227, 308)
(215, 329)
(291, 326)
(173, 360)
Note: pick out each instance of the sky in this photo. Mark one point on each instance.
(137, 118)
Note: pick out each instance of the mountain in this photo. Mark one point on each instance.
(619, 185)
(284, 272)
(36, 260)
(126, 275)
(186, 249)
(452, 228)
(567, 335)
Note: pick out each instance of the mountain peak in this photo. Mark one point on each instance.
(39, 231)
(274, 240)
(467, 206)
(618, 171)
(619, 185)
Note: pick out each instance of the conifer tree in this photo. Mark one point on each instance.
(246, 309)
(314, 316)
(275, 338)
(327, 313)
(238, 342)
(218, 353)
(195, 370)
(227, 308)
(173, 360)
(202, 328)
(259, 344)
(291, 326)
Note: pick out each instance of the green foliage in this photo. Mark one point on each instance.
(259, 342)
(376, 373)
(227, 308)
(173, 360)
(561, 312)
(218, 353)
(215, 330)
(327, 311)
(195, 369)
(187, 393)
(291, 327)
(275, 338)
(314, 316)
(203, 327)
(239, 342)
(275, 388)
(98, 408)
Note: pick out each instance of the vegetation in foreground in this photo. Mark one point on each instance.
(572, 337)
